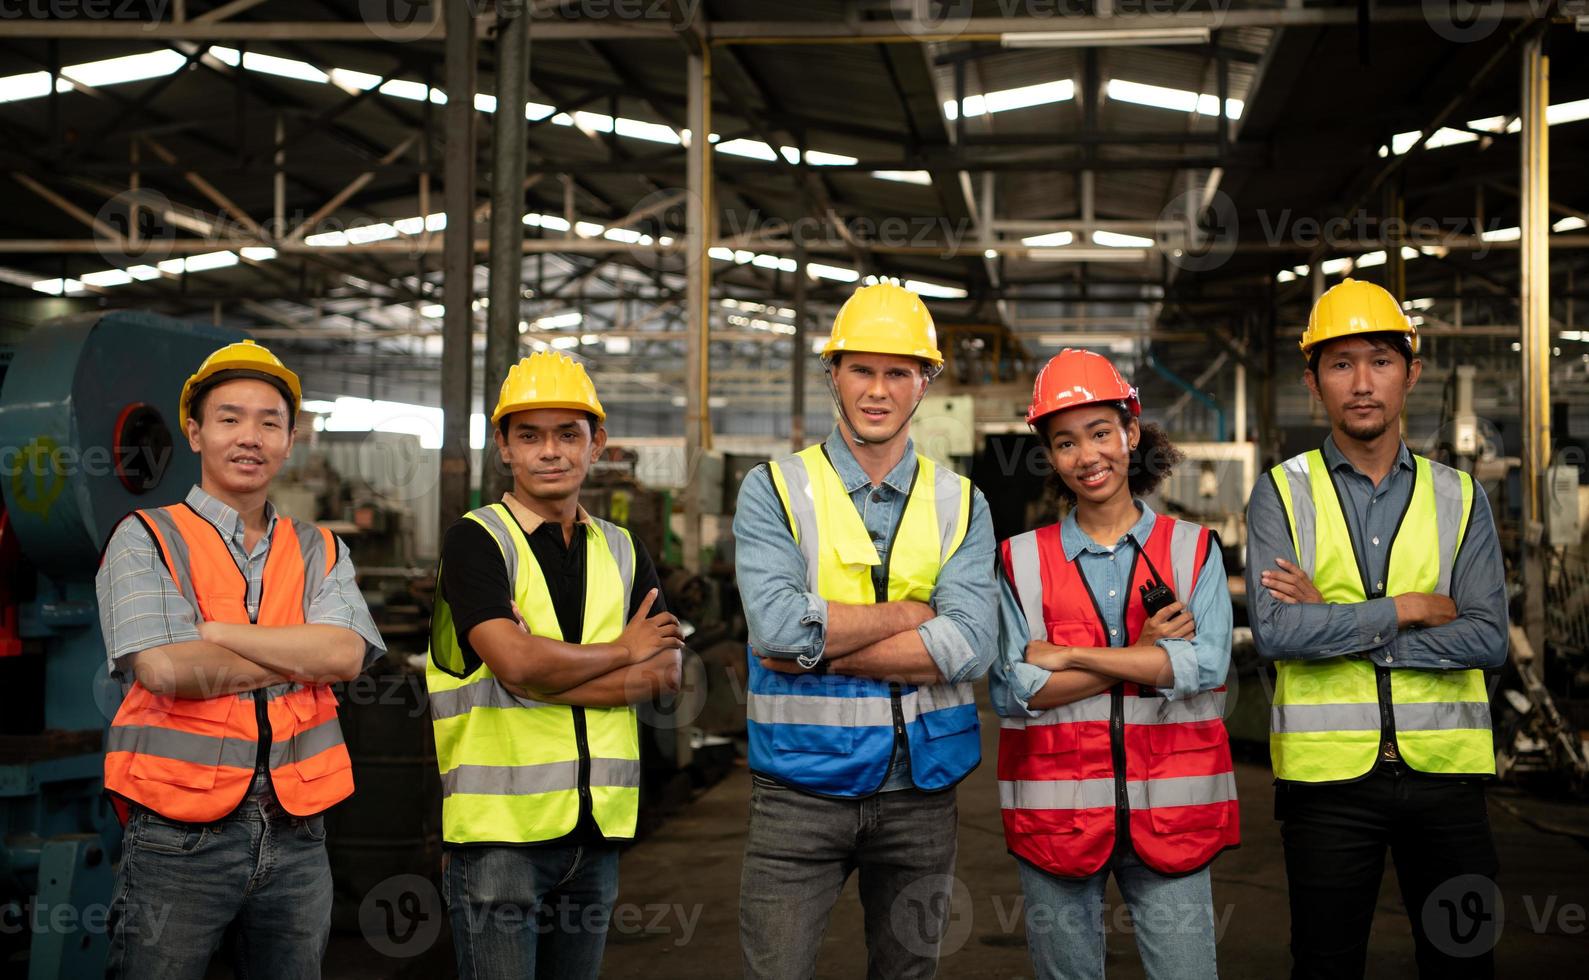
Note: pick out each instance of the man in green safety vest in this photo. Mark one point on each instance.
(1376, 588)
(549, 627)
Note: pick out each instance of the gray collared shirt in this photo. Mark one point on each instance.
(140, 607)
(1312, 631)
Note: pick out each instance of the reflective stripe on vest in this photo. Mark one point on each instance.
(509, 764)
(1180, 797)
(834, 735)
(192, 759)
(1327, 719)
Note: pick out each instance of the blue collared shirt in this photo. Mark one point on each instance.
(1199, 664)
(1311, 631)
(788, 621)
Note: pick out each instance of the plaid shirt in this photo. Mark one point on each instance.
(140, 606)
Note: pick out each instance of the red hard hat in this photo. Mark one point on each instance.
(1078, 377)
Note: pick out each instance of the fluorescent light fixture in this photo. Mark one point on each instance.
(1511, 234)
(551, 222)
(110, 277)
(817, 270)
(400, 88)
(1052, 239)
(920, 177)
(371, 233)
(30, 85)
(1331, 267)
(1084, 254)
(791, 154)
(1369, 259)
(257, 253)
(1285, 275)
(1106, 38)
(131, 68)
(211, 260)
(1043, 93)
(143, 273)
(821, 158)
(615, 345)
(755, 149)
(1114, 239)
(565, 343)
(560, 321)
(642, 130)
(1160, 97)
(1569, 224)
(269, 64)
(588, 229)
(326, 239)
(433, 310)
(990, 253)
(588, 338)
(484, 102)
(934, 289)
(720, 253)
(356, 81)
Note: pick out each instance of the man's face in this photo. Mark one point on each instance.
(243, 436)
(878, 392)
(550, 450)
(1363, 385)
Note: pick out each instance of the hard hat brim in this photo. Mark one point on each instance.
(503, 411)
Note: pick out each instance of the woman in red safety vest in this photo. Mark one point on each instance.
(1115, 636)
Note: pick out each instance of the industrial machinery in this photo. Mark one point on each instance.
(88, 408)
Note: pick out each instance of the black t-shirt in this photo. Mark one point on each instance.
(474, 582)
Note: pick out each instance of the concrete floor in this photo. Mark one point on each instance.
(680, 888)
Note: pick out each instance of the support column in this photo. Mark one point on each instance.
(507, 220)
(697, 423)
(799, 356)
(1535, 302)
(457, 345)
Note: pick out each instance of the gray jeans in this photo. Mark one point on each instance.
(800, 852)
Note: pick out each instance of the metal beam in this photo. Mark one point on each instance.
(507, 228)
(702, 213)
(457, 352)
(1535, 304)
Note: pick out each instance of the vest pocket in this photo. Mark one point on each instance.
(944, 722)
(176, 758)
(1190, 764)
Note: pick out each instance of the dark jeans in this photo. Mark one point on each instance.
(530, 911)
(802, 849)
(1438, 833)
(260, 871)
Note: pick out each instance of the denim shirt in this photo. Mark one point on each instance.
(1199, 664)
(1310, 631)
(788, 621)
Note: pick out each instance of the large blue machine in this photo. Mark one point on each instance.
(88, 409)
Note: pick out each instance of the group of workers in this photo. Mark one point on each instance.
(875, 595)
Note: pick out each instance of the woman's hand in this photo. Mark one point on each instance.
(1172, 622)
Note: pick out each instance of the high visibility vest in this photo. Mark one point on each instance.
(514, 770)
(1326, 722)
(834, 735)
(192, 759)
(1128, 760)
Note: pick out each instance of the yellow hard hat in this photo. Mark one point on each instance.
(547, 379)
(249, 359)
(1353, 307)
(884, 319)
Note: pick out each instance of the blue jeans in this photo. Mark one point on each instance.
(802, 849)
(1173, 919)
(259, 871)
(530, 911)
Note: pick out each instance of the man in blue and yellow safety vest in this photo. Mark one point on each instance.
(549, 627)
(1376, 588)
(868, 577)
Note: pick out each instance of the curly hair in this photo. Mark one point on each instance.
(1152, 460)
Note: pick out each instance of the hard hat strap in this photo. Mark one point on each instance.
(844, 417)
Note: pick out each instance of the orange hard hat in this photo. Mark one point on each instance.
(1078, 377)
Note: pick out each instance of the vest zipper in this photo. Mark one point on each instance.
(1117, 748)
(899, 714)
(586, 807)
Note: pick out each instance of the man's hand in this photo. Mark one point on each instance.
(1290, 584)
(1048, 656)
(644, 638)
(1172, 622)
(782, 666)
(1424, 609)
